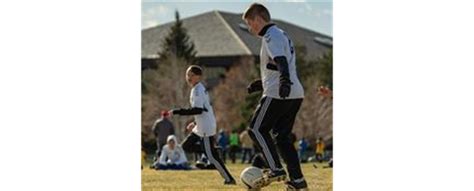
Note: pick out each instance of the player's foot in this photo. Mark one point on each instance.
(272, 176)
(230, 182)
(300, 185)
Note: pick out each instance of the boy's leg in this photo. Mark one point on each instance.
(214, 158)
(264, 119)
(189, 143)
(285, 146)
(259, 161)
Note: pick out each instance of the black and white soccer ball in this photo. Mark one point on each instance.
(252, 177)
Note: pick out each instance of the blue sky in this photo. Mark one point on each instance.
(314, 15)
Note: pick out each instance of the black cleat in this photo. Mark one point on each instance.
(278, 175)
(271, 176)
(230, 182)
(297, 186)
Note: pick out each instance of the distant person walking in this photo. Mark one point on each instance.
(234, 145)
(223, 142)
(303, 146)
(247, 145)
(320, 149)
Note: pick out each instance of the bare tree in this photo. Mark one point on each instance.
(166, 89)
(230, 94)
(316, 115)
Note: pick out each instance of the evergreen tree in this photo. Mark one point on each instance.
(178, 43)
(324, 69)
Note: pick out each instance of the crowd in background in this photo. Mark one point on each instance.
(234, 145)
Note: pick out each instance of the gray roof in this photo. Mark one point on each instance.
(219, 33)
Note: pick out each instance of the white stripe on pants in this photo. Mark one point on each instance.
(263, 144)
(207, 147)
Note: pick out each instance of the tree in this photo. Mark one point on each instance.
(232, 105)
(164, 87)
(314, 118)
(178, 43)
(324, 69)
(319, 70)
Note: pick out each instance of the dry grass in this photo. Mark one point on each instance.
(319, 179)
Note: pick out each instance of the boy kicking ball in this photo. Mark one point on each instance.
(280, 102)
(204, 126)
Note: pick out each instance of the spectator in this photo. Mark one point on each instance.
(247, 146)
(172, 156)
(234, 145)
(320, 149)
(303, 146)
(223, 141)
(162, 128)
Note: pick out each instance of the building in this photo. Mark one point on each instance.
(222, 38)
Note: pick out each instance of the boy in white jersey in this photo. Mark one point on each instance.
(204, 126)
(281, 100)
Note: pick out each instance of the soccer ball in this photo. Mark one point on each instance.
(252, 177)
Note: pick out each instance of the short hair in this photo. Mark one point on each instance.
(257, 9)
(195, 69)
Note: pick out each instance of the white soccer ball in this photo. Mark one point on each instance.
(252, 177)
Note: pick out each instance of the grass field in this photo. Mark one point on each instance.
(319, 179)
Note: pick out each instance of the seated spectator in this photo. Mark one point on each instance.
(172, 156)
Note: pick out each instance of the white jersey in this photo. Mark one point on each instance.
(275, 42)
(205, 122)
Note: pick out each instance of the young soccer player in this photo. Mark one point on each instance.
(204, 126)
(281, 99)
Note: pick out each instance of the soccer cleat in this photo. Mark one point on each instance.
(278, 175)
(270, 176)
(230, 182)
(296, 186)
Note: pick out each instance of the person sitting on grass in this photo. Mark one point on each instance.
(172, 156)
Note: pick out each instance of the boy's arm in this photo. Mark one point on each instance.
(197, 105)
(188, 111)
(276, 44)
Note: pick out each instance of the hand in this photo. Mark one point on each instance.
(170, 113)
(255, 86)
(190, 126)
(285, 87)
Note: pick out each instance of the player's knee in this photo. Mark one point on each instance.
(260, 130)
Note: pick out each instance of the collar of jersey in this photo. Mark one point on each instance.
(264, 29)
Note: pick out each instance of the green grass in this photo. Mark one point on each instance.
(319, 179)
